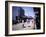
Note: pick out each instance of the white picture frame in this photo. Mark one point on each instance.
(8, 16)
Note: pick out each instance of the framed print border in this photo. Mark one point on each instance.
(6, 18)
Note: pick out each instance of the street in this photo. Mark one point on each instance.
(27, 26)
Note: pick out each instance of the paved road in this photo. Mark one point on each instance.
(28, 26)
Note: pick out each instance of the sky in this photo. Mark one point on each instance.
(28, 11)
